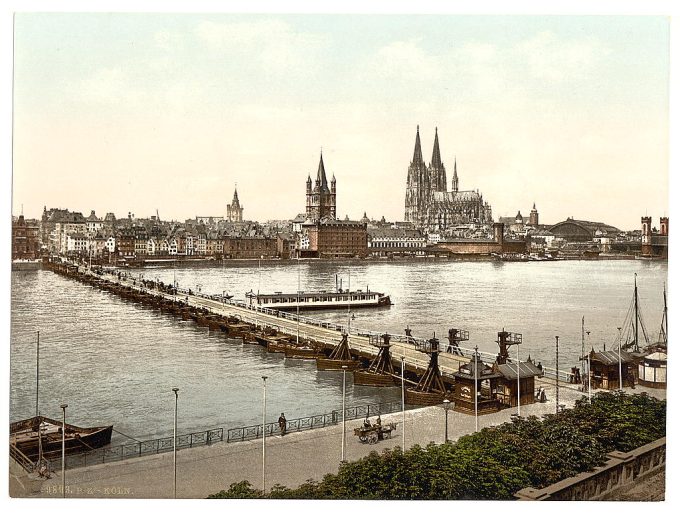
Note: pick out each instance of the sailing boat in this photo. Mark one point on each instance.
(652, 370)
(635, 328)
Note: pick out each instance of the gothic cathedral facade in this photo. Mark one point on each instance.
(429, 206)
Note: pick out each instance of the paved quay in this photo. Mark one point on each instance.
(291, 460)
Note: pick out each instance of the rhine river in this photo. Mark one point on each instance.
(115, 362)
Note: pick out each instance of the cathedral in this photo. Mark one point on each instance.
(429, 206)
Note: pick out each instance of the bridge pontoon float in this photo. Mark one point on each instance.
(380, 372)
(430, 389)
(339, 357)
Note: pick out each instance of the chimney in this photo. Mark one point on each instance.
(498, 233)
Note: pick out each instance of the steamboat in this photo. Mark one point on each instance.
(318, 300)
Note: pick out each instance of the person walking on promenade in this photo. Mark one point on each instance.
(282, 424)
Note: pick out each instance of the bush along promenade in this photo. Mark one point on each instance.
(494, 463)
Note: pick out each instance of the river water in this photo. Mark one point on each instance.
(115, 362)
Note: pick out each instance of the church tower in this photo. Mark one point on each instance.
(417, 186)
(437, 169)
(454, 180)
(321, 198)
(235, 210)
(533, 216)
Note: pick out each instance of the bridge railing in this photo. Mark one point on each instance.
(210, 436)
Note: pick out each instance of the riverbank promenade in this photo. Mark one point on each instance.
(290, 460)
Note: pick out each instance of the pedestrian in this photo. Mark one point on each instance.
(282, 424)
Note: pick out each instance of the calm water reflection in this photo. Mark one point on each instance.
(116, 362)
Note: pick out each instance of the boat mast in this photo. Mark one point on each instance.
(37, 377)
(663, 335)
(637, 316)
(297, 338)
(37, 406)
(349, 289)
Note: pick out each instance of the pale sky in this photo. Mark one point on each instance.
(138, 112)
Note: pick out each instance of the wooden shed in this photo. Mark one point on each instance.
(604, 369)
(506, 388)
(486, 379)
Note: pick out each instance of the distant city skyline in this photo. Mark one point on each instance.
(138, 112)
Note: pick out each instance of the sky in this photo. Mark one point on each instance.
(143, 112)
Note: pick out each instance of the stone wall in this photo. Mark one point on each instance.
(619, 472)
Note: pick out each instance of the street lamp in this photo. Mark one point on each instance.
(589, 399)
(344, 372)
(447, 405)
(63, 449)
(519, 414)
(620, 374)
(557, 374)
(264, 432)
(403, 408)
(174, 449)
(476, 398)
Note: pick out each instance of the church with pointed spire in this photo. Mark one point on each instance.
(235, 210)
(429, 205)
(320, 198)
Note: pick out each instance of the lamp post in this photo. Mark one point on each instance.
(589, 398)
(476, 419)
(174, 449)
(557, 374)
(342, 452)
(447, 405)
(297, 337)
(264, 432)
(63, 449)
(519, 397)
(620, 374)
(403, 408)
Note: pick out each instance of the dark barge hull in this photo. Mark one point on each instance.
(373, 379)
(77, 439)
(415, 397)
(303, 354)
(328, 364)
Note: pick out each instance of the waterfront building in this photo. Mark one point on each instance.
(333, 238)
(320, 234)
(92, 223)
(429, 205)
(250, 247)
(285, 245)
(25, 239)
(235, 210)
(77, 243)
(214, 244)
(573, 230)
(56, 223)
(386, 241)
(498, 245)
(111, 244)
(126, 243)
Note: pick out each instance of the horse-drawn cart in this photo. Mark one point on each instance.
(371, 435)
